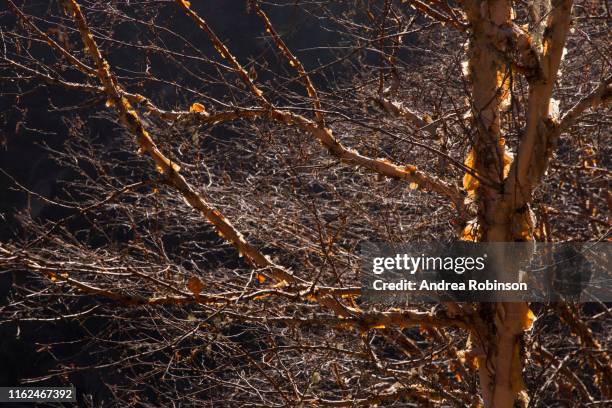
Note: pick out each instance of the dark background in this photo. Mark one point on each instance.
(29, 127)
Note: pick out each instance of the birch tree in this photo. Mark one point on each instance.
(221, 217)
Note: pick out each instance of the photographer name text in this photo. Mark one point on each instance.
(424, 285)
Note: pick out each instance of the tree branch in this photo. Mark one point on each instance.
(168, 168)
(295, 63)
(438, 15)
(324, 135)
(599, 96)
(536, 145)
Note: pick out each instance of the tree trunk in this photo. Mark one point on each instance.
(503, 191)
(499, 364)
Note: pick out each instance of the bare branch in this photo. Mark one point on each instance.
(599, 96)
(294, 62)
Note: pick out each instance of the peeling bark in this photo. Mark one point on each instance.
(504, 214)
